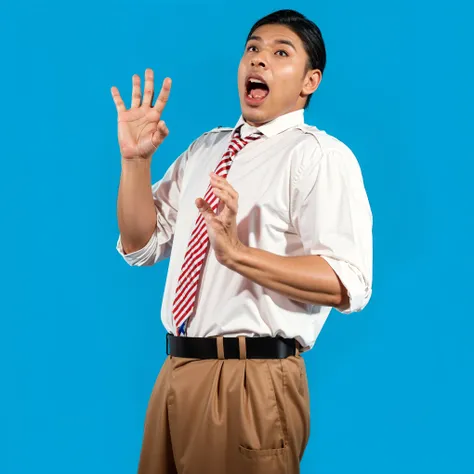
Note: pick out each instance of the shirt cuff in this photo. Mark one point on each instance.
(358, 289)
(144, 256)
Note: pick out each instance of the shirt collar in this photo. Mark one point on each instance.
(278, 125)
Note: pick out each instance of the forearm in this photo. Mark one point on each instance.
(135, 207)
(308, 279)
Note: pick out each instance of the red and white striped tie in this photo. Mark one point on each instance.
(186, 291)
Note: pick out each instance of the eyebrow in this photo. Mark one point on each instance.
(278, 41)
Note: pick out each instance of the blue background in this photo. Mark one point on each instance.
(81, 340)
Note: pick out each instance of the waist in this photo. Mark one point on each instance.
(240, 347)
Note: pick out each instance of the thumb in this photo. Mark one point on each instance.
(203, 207)
(161, 133)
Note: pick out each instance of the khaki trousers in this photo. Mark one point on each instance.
(232, 416)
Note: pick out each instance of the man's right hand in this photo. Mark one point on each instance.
(140, 128)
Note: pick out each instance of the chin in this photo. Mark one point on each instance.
(255, 115)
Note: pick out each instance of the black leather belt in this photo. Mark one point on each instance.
(206, 347)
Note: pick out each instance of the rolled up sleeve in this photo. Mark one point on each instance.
(166, 193)
(331, 213)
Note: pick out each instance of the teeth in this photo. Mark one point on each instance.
(256, 80)
(250, 97)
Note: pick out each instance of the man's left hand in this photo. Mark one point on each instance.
(222, 227)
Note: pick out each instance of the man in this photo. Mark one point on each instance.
(267, 226)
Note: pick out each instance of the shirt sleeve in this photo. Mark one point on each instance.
(331, 213)
(166, 194)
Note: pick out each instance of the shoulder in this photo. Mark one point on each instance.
(318, 153)
(327, 147)
(217, 132)
(315, 138)
(219, 129)
(211, 137)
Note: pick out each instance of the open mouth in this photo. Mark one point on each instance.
(257, 89)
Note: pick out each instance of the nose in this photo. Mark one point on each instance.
(258, 60)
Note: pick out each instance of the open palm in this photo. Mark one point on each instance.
(140, 128)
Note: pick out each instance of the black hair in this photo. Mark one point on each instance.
(307, 31)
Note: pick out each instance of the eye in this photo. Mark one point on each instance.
(251, 48)
(281, 52)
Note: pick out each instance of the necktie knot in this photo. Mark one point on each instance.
(250, 136)
(253, 136)
(237, 142)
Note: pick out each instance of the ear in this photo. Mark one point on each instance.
(311, 82)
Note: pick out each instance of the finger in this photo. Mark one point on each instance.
(161, 133)
(164, 94)
(226, 199)
(223, 184)
(162, 126)
(149, 87)
(204, 208)
(117, 99)
(136, 91)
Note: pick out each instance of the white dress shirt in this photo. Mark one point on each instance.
(301, 192)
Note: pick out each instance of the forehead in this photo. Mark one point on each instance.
(271, 33)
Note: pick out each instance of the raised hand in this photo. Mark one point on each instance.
(140, 128)
(222, 225)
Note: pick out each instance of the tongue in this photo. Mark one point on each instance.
(258, 93)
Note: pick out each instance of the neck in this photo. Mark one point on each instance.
(255, 124)
(259, 124)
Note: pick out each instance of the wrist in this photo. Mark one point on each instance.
(136, 163)
(236, 257)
